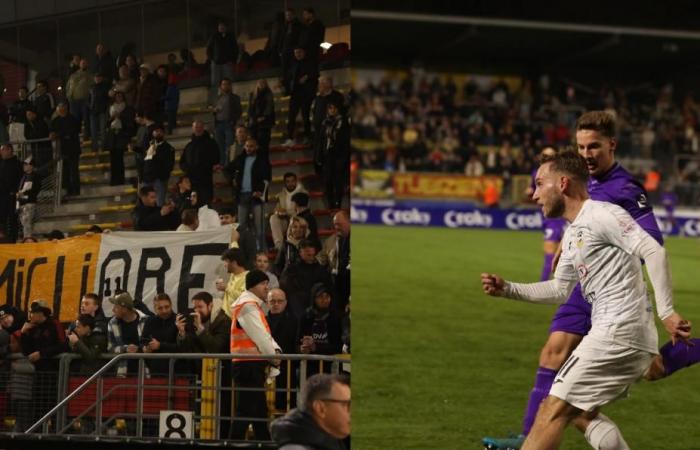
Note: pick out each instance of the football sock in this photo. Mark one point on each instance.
(543, 382)
(680, 355)
(547, 267)
(603, 434)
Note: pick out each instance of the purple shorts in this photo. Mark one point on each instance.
(553, 229)
(574, 316)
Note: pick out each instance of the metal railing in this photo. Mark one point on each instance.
(104, 406)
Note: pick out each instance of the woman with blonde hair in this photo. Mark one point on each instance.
(289, 253)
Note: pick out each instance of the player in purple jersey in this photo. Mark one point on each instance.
(553, 229)
(595, 139)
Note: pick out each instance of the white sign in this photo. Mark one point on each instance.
(176, 424)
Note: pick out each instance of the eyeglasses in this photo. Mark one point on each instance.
(346, 403)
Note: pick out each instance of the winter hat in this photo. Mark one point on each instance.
(255, 277)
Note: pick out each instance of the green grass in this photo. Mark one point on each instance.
(439, 365)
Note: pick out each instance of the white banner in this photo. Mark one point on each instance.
(179, 264)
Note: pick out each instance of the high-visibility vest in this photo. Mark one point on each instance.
(240, 341)
(651, 184)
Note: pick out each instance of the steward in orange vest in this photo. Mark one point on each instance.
(250, 335)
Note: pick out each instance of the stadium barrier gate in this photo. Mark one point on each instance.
(190, 402)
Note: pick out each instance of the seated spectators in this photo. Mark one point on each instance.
(89, 342)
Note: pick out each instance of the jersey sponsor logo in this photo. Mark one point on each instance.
(582, 271)
(358, 215)
(455, 219)
(579, 239)
(413, 216)
(519, 221)
(642, 201)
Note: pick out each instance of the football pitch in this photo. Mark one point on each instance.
(438, 365)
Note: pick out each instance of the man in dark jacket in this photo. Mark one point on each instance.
(158, 163)
(303, 82)
(198, 159)
(66, 128)
(43, 101)
(227, 113)
(321, 328)
(222, 51)
(284, 327)
(334, 157)
(89, 342)
(250, 175)
(319, 110)
(18, 109)
(298, 279)
(103, 63)
(98, 102)
(322, 420)
(148, 93)
(160, 335)
(210, 330)
(150, 217)
(292, 28)
(312, 35)
(36, 128)
(10, 174)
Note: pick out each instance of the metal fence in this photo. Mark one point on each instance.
(164, 397)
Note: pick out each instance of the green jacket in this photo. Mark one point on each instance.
(90, 348)
(215, 338)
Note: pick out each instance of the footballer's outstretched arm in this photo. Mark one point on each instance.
(553, 291)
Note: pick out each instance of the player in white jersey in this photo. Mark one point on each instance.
(601, 249)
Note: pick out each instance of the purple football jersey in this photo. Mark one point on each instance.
(618, 186)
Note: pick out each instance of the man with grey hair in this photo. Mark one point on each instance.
(198, 159)
(322, 420)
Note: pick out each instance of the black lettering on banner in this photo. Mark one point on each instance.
(175, 429)
(30, 274)
(190, 280)
(159, 274)
(58, 286)
(106, 283)
(84, 276)
(20, 281)
(8, 277)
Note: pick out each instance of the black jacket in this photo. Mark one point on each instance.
(261, 172)
(291, 34)
(68, 131)
(148, 218)
(222, 49)
(336, 146)
(235, 109)
(98, 99)
(326, 327)
(262, 105)
(300, 68)
(299, 428)
(18, 111)
(31, 195)
(105, 65)
(319, 108)
(312, 36)
(36, 130)
(165, 332)
(48, 339)
(297, 280)
(313, 226)
(284, 328)
(121, 139)
(162, 163)
(10, 174)
(44, 105)
(201, 154)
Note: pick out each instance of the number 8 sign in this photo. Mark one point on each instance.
(175, 424)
